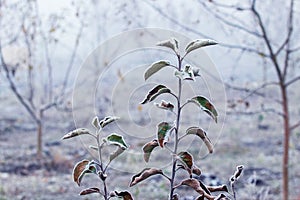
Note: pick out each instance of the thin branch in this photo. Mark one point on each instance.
(72, 59)
(171, 19)
(267, 41)
(230, 23)
(48, 106)
(15, 90)
(228, 6)
(261, 87)
(295, 126)
(166, 177)
(292, 81)
(253, 91)
(244, 48)
(249, 113)
(294, 49)
(290, 30)
(184, 104)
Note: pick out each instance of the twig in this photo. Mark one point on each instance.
(292, 81)
(72, 59)
(295, 126)
(254, 91)
(230, 23)
(288, 39)
(15, 90)
(268, 110)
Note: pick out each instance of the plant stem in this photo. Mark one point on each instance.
(174, 159)
(105, 190)
(105, 195)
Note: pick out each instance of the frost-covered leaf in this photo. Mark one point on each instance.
(201, 133)
(221, 188)
(76, 132)
(148, 148)
(237, 174)
(196, 44)
(124, 194)
(171, 43)
(83, 167)
(118, 140)
(163, 132)
(187, 160)
(221, 197)
(96, 123)
(144, 174)
(186, 74)
(195, 184)
(196, 170)
(89, 191)
(206, 106)
(107, 120)
(155, 67)
(155, 92)
(78, 169)
(116, 153)
(175, 197)
(165, 105)
(196, 71)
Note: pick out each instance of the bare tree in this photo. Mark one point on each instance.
(31, 78)
(278, 52)
(271, 35)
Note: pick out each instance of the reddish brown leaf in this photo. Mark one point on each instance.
(125, 194)
(195, 184)
(148, 148)
(78, 169)
(165, 105)
(146, 173)
(89, 191)
(221, 188)
(196, 170)
(201, 133)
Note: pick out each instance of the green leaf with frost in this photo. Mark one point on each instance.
(171, 43)
(196, 44)
(96, 123)
(155, 67)
(76, 132)
(163, 133)
(107, 120)
(118, 140)
(187, 160)
(206, 106)
(186, 74)
(155, 92)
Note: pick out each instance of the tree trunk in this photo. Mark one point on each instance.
(39, 136)
(285, 161)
